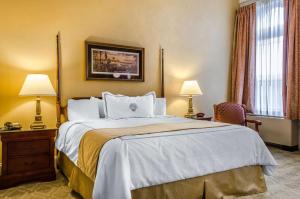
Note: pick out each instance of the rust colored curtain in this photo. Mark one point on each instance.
(292, 59)
(243, 61)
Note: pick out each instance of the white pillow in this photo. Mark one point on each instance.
(100, 106)
(82, 109)
(160, 107)
(120, 106)
(104, 104)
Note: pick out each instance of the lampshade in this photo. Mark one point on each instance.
(190, 87)
(37, 85)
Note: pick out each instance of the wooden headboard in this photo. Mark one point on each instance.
(62, 110)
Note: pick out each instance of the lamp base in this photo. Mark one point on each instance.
(37, 125)
(38, 121)
(191, 116)
(190, 113)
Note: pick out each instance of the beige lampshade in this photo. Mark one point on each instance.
(37, 85)
(190, 87)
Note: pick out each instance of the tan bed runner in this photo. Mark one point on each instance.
(93, 141)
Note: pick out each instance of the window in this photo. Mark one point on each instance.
(269, 58)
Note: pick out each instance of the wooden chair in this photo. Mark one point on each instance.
(234, 114)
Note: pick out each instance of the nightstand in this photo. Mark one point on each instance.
(203, 118)
(27, 155)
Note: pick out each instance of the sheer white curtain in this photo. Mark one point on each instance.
(269, 57)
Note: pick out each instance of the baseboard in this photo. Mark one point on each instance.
(283, 147)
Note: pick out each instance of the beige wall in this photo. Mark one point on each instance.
(196, 34)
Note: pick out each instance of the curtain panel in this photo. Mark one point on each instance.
(292, 59)
(243, 60)
(269, 57)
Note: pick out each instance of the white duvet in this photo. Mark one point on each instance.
(133, 162)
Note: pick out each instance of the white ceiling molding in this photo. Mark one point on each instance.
(247, 2)
(244, 1)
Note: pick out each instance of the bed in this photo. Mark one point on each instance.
(159, 156)
(210, 162)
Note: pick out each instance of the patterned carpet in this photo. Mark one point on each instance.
(285, 184)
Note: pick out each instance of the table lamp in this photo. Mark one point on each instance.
(190, 88)
(37, 85)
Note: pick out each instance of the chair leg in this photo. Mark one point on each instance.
(256, 128)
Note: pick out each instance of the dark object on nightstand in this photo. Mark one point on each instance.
(27, 156)
(9, 126)
(200, 115)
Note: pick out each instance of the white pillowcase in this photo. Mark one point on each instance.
(120, 106)
(160, 107)
(82, 109)
(100, 106)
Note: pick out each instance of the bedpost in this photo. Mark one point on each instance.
(58, 96)
(162, 72)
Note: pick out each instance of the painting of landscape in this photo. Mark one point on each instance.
(114, 62)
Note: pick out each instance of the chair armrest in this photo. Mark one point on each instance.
(256, 122)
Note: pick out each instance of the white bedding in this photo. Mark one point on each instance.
(133, 162)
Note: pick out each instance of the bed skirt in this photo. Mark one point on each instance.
(236, 182)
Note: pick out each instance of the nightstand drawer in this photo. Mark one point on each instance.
(28, 147)
(28, 163)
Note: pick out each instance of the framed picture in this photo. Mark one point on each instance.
(114, 62)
